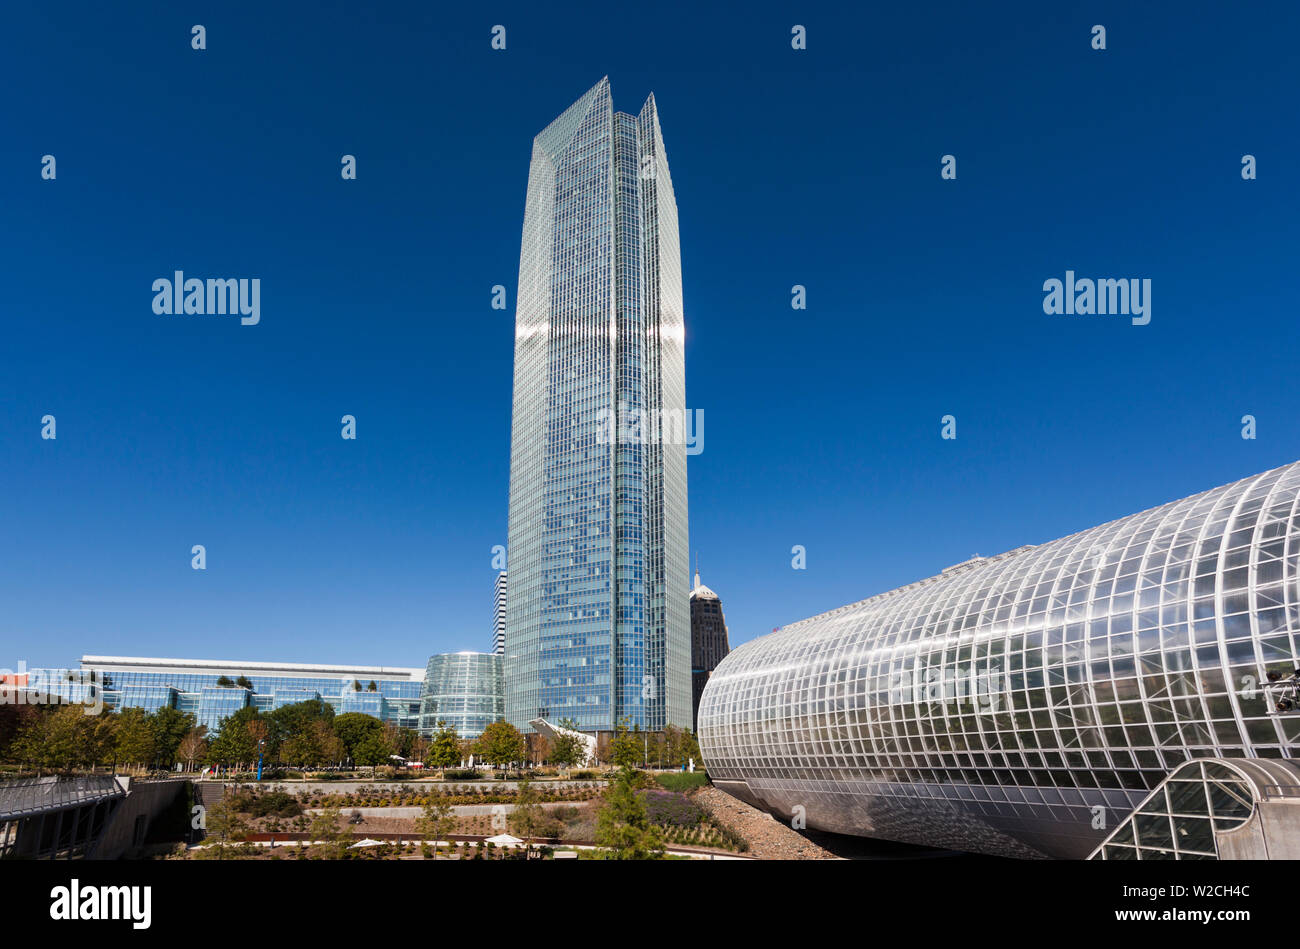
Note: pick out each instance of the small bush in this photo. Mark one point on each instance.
(466, 775)
(276, 803)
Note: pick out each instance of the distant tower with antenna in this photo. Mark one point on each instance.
(709, 640)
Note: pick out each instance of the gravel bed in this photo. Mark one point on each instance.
(769, 839)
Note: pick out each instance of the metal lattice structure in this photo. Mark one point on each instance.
(1190, 813)
(1001, 705)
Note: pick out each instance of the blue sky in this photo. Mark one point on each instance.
(817, 167)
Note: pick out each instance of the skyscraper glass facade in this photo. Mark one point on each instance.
(464, 689)
(597, 627)
(1004, 704)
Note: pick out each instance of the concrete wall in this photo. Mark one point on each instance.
(145, 799)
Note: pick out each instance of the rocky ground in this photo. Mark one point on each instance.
(769, 839)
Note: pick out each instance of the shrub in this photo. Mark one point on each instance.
(549, 826)
(682, 780)
(731, 840)
(276, 803)
(465, 775)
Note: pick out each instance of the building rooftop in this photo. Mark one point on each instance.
(220, 666)
(701, 591)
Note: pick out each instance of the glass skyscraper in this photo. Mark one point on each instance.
(597, 623)
(1028, 704)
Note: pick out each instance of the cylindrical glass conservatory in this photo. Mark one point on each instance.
(1024, 704)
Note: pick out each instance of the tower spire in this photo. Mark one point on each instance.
(697, 568)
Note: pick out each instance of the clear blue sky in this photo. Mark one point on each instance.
(818, 167)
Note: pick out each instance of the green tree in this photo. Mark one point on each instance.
(404, 741)
(622, 824)
(353, 727)
(169, 726)
(224, 822)
(243, 683)
(134, 741)
(315, 745)
(500, 744)
(14, 719)
(444, 751)
(64, 737)
(372, 687)
(527, 814)
(193, 747)
(236, 739)
(328, 743)
(567, 749)
(626, 748)
(672, 745)
(67, 740)
(296, 721)
(373, 749)
(327, 826)
(691, 749)
(438, 820)
(419, 747)
(225, 682)
(96, 735)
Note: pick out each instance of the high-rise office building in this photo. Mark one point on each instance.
(709, 642)
(499, 615)
(597, 609)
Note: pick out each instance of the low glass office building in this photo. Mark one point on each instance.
(465, 690)
(1026, 704)
(213, 690)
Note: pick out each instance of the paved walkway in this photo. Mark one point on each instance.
(460, 810)
(420, 787)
